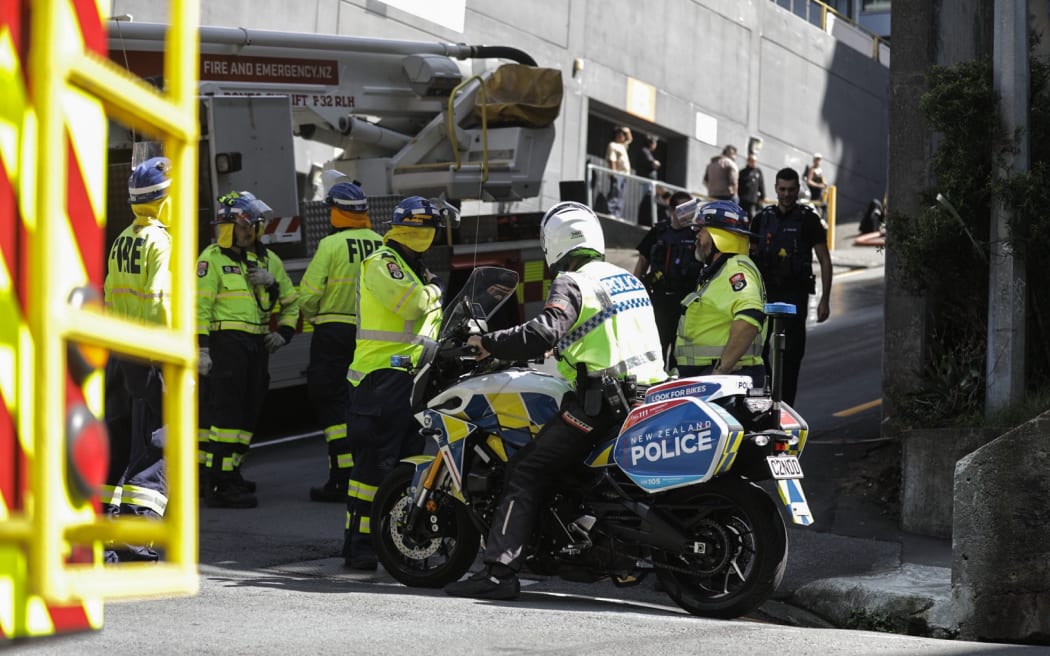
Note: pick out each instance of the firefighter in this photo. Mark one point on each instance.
(327, 299)
(599, 320)
(240, 284)
(398, 311)
(138, 288)
(723, 323)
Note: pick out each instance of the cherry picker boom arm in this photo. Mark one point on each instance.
(385, 104)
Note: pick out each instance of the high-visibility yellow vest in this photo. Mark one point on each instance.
(729, 295)
(138, 281)
(227, 301)
(328, 289)
(396, 313)
(616, 332)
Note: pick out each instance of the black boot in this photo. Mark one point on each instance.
(358, 553)
(496, 582)
(242, 483)
(333, 491)
(226, 494)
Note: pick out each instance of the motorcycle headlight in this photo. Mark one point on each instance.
(758, 404)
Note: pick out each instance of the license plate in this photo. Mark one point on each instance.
(783, 467)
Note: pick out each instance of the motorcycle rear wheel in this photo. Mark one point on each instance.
(745, 554)
(423, 563)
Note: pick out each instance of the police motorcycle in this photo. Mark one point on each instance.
(673, 494)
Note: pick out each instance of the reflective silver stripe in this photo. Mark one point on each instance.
(243, 326)
(138, 191)
(404, 297)
(334, 317)
(144, 498)
(699, 351)
(389, 336)
(701, 354)
(624, 367)
(608, 310)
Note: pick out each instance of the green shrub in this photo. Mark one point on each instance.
(943, 253)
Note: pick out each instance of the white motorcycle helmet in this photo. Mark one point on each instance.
(568, 227)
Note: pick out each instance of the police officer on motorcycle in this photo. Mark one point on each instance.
(598, 320)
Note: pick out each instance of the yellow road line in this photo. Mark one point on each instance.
(858, 408)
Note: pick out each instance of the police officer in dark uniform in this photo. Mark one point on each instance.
(667, 266)
(786, 237)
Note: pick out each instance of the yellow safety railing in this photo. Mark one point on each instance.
(57, 70)
(453, 137)
(831, 205)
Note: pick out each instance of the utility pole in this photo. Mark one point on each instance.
(1006, 277)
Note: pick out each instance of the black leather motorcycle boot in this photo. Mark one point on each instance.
(494, 582)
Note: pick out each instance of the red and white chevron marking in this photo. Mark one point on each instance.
(283, 229)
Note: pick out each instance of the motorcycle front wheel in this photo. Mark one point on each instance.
(423, 559)
(735, 552)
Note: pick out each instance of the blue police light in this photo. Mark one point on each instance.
(779, 309)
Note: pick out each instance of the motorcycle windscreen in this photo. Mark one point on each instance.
(706, 388)
(484, 292)
(672, 443)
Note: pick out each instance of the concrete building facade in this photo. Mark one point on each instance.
(698, 74)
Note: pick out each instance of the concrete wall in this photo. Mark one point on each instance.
(744, 68)
(1001, 538)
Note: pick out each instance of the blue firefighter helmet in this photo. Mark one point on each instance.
(149, 180)
(417, 212)
(347, 196)
(242, 207)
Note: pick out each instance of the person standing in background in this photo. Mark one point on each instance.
(327, 299)
(667, 266)
(815, 179)
(649, 167)
(722, 175)
(138, 288)
(398, 312)
(752, 187)
(786, 236)
(240, 284)
(619, 161)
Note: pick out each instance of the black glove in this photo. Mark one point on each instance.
(287, 332)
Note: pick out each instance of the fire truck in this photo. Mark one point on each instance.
(400, 117)
(59, 93)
